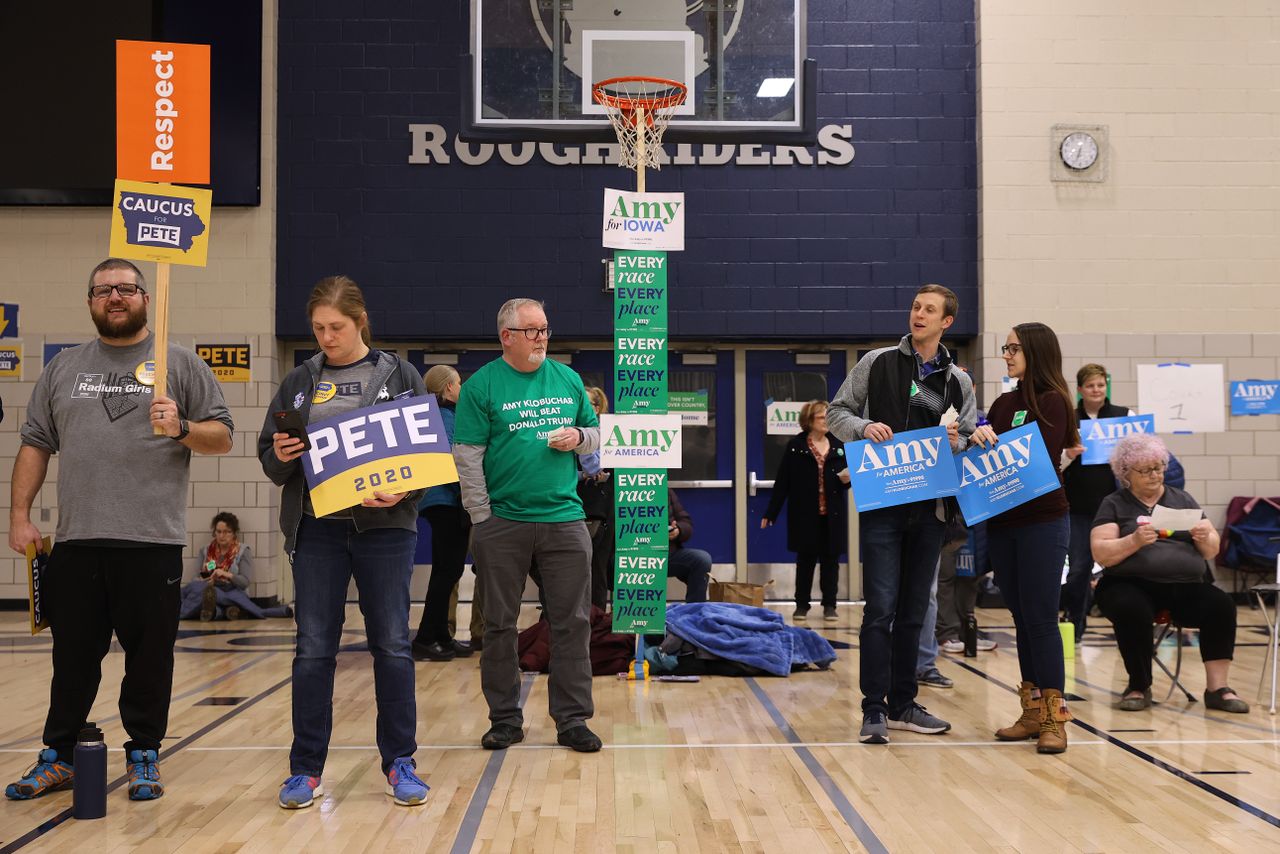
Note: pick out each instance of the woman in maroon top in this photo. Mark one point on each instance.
(1028, 544)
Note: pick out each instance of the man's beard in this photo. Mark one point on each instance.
(132, 323)
(537, 357)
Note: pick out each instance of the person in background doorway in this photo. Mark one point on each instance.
(812, 478)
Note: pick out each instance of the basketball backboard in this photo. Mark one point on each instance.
(533, 62)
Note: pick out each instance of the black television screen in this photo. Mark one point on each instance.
(58, 68)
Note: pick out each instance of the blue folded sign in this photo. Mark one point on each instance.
(912, 466)
(1014, 471)
(1100, 435)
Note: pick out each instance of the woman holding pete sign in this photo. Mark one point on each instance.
(1028, 543)
(373, 542)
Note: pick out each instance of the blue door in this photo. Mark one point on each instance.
(777, 376)
(705, 480)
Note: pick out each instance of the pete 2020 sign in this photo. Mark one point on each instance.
(1014, 471)
(162, 112)
(912, 466)
(394, 447)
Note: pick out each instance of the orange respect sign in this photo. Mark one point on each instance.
(162, 112)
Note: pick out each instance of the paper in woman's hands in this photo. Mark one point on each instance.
(949, 417)
(1168, 519)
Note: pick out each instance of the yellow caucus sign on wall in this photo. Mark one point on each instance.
(160, 222)
(394, 447)
(229, 362)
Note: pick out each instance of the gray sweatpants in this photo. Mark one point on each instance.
(503, 550)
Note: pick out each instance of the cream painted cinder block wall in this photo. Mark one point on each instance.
(1184, 235)
(45, 258)
(1176, 256)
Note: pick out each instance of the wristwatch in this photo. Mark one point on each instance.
(184, 430)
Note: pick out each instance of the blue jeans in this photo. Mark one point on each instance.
(693, 567)
(900, 548)
(329, 553)
(1028, 565)
(1077, 595)
(927, 655)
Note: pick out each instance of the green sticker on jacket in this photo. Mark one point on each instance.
(1019, 418)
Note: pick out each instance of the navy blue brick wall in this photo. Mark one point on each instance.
(772, 252)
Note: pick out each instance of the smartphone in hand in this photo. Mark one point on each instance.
(290, 421)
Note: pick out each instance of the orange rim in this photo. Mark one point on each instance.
(628, 104)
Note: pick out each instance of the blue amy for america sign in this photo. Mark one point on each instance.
(394, 447)
(1100, 435)
(1255, 397)
(912, 466)
(1014, 471)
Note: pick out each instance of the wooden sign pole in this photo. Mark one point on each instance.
(161, 334)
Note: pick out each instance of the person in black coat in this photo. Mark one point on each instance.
(812, 478)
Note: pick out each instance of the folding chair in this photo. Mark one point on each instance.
(1166, 628)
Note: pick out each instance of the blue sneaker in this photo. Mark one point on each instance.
(49, 774)
(144, 775)
(404, 785)
(299, 791)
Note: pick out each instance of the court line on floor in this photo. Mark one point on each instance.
(847, 811)
(1129, 748)
(191, 692)
(465, 839)
(52, 823)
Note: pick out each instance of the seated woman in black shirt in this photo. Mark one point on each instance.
(1148, 571)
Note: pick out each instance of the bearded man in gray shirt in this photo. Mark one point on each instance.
(122, 520)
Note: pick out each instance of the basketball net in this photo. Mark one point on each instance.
(639, 108)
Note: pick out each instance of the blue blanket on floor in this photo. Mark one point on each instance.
(755, 636)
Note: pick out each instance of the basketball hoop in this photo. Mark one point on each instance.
(639, 108)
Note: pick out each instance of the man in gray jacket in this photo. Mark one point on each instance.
(520, 419)
(891, 390)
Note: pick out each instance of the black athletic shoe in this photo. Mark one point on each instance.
(581, 739)
(502, 736)
(435, 651)
(461, 649)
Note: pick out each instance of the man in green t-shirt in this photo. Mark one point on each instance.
(520, 419)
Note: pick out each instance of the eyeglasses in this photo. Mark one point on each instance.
(532, 333)
(1011, 349)
(127, 289)
(1148, 472)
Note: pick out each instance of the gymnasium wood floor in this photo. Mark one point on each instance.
(722, 765)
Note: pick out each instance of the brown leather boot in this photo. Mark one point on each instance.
(1053, 723)
(1027, 726)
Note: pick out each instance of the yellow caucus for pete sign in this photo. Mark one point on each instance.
(229, 362)
(160, 222)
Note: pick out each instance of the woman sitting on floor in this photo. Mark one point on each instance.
(1149, 571)
(224, 578)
